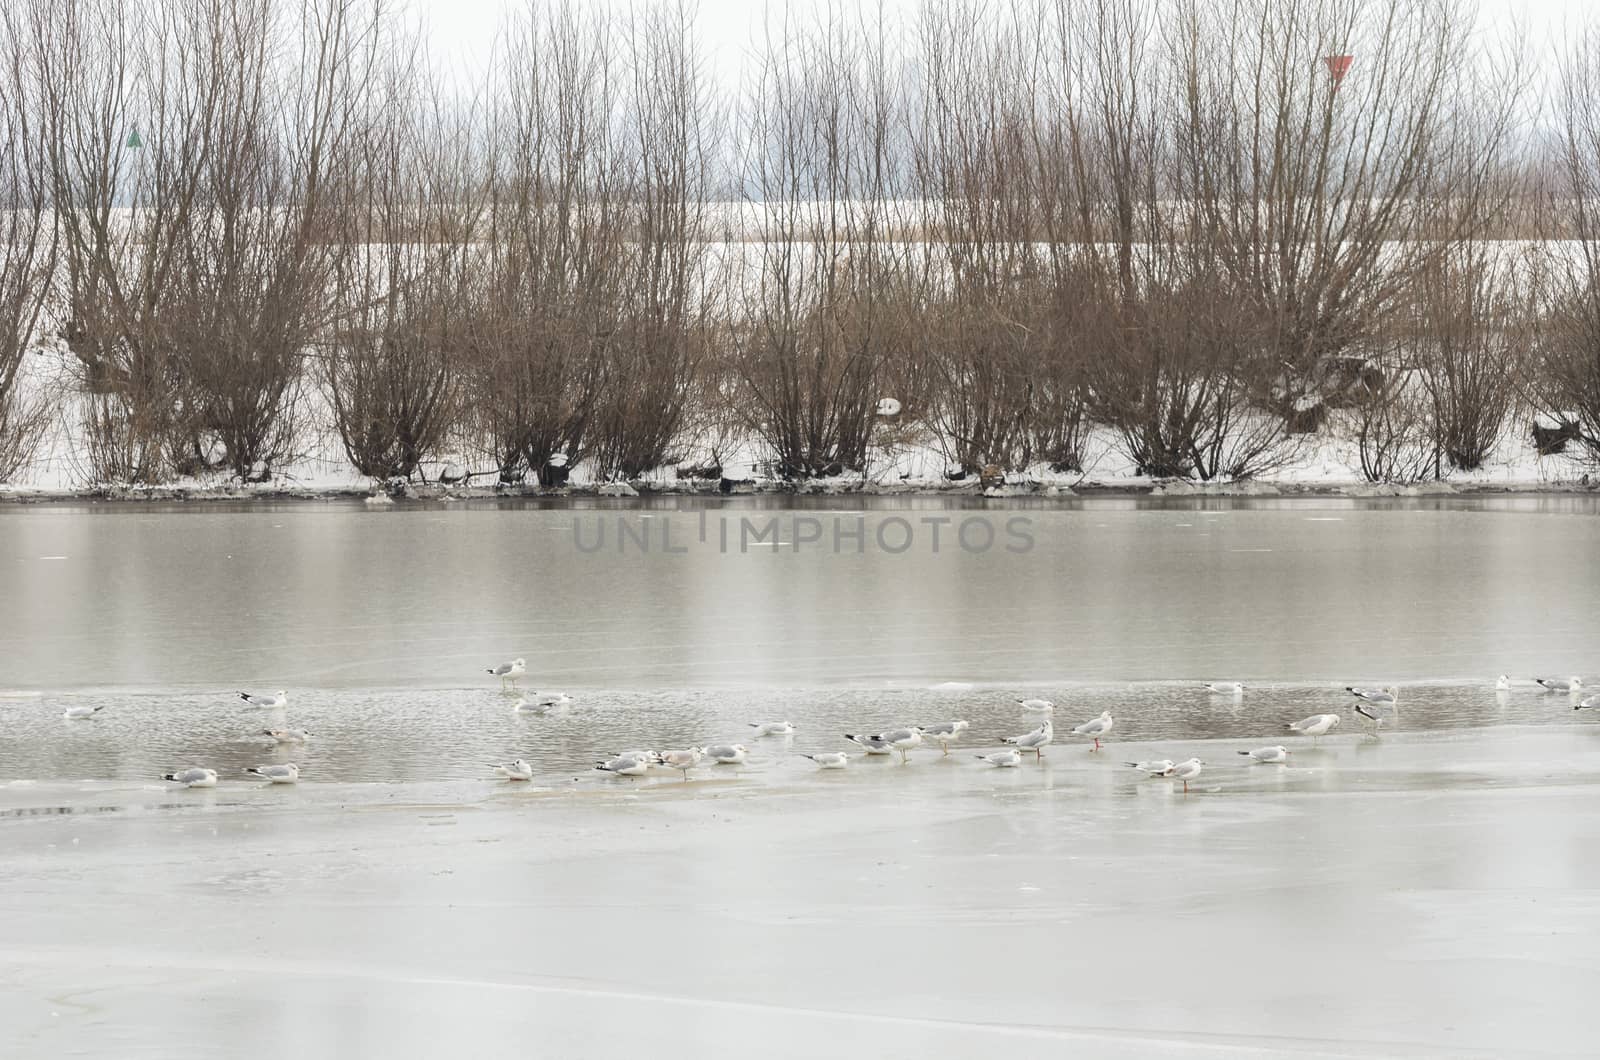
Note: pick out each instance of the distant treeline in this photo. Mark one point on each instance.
(1189, 223)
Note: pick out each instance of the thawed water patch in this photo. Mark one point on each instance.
(395, 736)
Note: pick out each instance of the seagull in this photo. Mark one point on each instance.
(1006, 759)
(1185, 771)
(945, 733)
(626, 765)
(728, 754)
(1095, 728)
(1276, 753)
(1314, 726)
(518, 770)
(772, 728)
(902, 740)
(79, 713)
(276, 701)
(682, 761)
(551, 699)
(509, 671)
(1389, 694)
(1035, 741)
(1158, 767)
(1551, 684)
(1502, 683)
(1037, 706)
(1374, 712)
(193, 777)
(284, 774)
(1592, 701)
(287, 735)
(873, 744)
(830, 759)
(1226, 688)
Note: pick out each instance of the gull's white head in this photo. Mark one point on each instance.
(1577, 683)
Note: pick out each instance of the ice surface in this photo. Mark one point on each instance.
(1424, 895)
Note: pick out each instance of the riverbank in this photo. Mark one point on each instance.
(1020, 490)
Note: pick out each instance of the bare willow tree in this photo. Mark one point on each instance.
(809, 329)
(666, 319)
(1476, 313)
(1008, 379)
(189, 146)
(554, 273)
(395, 359)
(255, 261)
(104, 70)
(1334, 151)
(1565, 382)
(27, 249)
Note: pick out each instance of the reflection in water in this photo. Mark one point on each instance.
(336, 596)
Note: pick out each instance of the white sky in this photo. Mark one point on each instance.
(462, 32)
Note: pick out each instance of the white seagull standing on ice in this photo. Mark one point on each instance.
(682, 761)
(1502, 683)
(79, 713)
(1156, 767)
(1037, 706)
(830, 759)
(509, 671)
(902, 740)
(1375, 703)
(1035, 741)
(193, 777)
(772, 728)
(1006, 759)
(945, 733)
(287, 735)
(1185, 771)
(873, 744)
(626, 765)
(727, 754)
(1095, 728)
(277, 701)
(518, 770)
(1552, 684)
(1277, 753)
(288, 773)
(1225, 688)
(1314, 726)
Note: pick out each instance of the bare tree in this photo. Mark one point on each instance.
(553, 278)
(27, 248)
(809, 331)
(395, 360)
(1565, 382)
(255, 263)
(1474, 315)
(665, 319)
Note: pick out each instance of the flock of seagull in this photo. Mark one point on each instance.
(1372, 704)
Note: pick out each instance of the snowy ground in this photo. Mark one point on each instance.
(906, 458)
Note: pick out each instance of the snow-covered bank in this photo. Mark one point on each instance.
(1326, 466)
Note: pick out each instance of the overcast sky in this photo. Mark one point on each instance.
(462, 32)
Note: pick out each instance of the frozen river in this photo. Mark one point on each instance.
(1429, 893)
